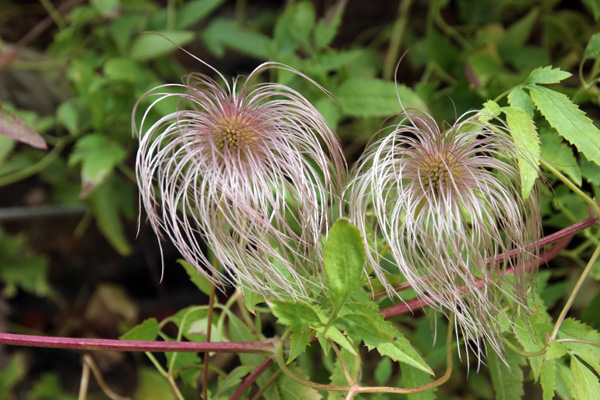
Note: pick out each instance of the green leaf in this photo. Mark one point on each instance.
(560, 155)
(592, 50)
(153, 386)
(516, 36)
(359, 326)
(491, 107)
(587, 386)
(590, 353)
(548, 379)
(344, 260)
(105, 7)
(590, 171)
(565, 387)
(103, 203)
(148, 46)
(294, 26)
(299, 340)
(334, 334)
(196, 277)
(126, 70)
(594, 7)
(147, 330)
(232, 381)
(48, 387)
(296, 315)
(531, 343)
(507, 380)
(327, 28)
(11, 373)
(570, 122)
(546, 75)
(383, 371)
(402, 351)
(412, 378)
(193, 11)
(519, 98)
(289, 389)
(98, 156)
(591, 315)
(524, 134)
(368, 97)
(222, 33)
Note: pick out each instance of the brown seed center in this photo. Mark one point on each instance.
(233, 134)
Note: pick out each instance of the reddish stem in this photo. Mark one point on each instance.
(251, 378)
(411, 305)
(265, 346)
(564, 236)
(556, 236)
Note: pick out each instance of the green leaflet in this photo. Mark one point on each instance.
(98, 156)
(519, 98)
(298, 343)
(296, 315)
(586, 382)
(548, 378)
(414, 378)
(560, 155)
(508, 382)
(344, 260)
(592, 50)
(327, 28)
(360, 326)
(570, 122)
(104, 205)
(150, 46)
(524, 133)
(147, 330)
(366, 97)
(222, 33)
(546, 75)
(196, 277)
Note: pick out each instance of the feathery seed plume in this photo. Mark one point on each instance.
(448, 203)
(250, 169)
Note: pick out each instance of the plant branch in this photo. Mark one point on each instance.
(575, 291)
(552, 238)
(261, 347)
(573, 187)
(411, 305)
(251, 378)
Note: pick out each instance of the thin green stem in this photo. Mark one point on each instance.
(396, 40)
(54, 14)
(573, 187)
(282, 365)
(35, 168)
(528, 353)
(354, 388)
(575, 291)
(577, 341)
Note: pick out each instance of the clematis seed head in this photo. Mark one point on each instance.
(448, 203)
(249, 168)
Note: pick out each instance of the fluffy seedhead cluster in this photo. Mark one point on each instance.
(251, 169)
(448, 202)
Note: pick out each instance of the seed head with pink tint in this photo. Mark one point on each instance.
(447, 202)
(249, 169)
